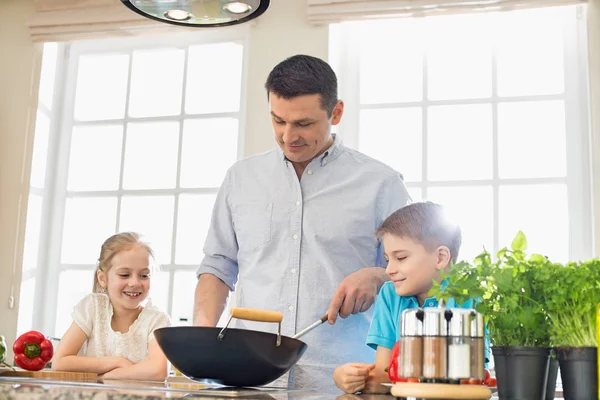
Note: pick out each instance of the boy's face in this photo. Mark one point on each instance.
(411, 267)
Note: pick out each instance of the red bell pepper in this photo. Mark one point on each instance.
(393, 368)
(32, 351)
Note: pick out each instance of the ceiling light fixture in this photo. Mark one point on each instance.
(237, 7)
(199, 13)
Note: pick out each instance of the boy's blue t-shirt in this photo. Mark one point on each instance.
(384, 330)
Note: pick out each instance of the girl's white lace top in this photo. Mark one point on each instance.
(93, 314)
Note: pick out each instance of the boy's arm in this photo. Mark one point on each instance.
(379, 374)
(66, 358)
(154, 368)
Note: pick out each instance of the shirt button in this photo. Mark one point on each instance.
(309, 172)
(291, 308)
(293, 270)
(430, 304)
(295, 236)
(298, 203)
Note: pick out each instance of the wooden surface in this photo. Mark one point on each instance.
(48, 373)
(441, 391)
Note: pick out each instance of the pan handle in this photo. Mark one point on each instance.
(252, 314)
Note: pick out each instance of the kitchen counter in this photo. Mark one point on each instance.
(299, 385)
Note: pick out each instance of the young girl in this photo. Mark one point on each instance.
(112, 331)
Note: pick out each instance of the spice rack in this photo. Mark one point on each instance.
(441, 347)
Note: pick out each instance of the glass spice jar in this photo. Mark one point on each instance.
(434, 345)
(477, 346)
(459, 344)
(410, 364)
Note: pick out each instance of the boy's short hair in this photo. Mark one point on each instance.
(426, 223)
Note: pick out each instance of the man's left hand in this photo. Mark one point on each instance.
(356, 293)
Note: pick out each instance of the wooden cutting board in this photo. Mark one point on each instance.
(48, 373)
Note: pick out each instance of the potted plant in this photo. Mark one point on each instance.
(516, 321)
(571, 294)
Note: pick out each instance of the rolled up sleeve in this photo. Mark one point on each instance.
(220, 247)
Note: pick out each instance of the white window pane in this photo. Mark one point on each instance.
(391, 61)
(210, 148)
(214, 78)
(472, 208)
(151, 97)
(32, 232)
(73, 286)
(159, 289)
(152, 216)
(48, 74)
(459, 62)
(541, 212)
(522, 71)
(416, 193)
(26, 299)
(532, 139)
(460, 142)
(394, 136)
(193, 220)
(95, 157)
(101, 87)
(40, 150)
(88, 223)
(184, 287)
(151, 155)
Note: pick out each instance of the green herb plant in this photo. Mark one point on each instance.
(504, 292)
(571, 294)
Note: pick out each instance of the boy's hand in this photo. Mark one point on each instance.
(374, 382)
(352, 377)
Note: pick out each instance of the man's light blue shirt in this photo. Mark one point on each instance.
(291, 242)
(385, 327)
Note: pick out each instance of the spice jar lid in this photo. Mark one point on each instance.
(459, 321)
(434, 322)
(411, 323)
(477, 324)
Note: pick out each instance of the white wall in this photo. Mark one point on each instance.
(19, 59)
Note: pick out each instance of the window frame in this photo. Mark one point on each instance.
(55, 192)
(345, 59)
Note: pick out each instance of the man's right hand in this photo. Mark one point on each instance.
(352, 377)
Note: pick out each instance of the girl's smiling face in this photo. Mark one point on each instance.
(127, 281)
(411, 267)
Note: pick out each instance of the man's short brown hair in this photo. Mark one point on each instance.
(426, 223)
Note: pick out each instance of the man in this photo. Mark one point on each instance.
(297, 223)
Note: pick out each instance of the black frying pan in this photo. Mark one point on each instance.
(231, 357)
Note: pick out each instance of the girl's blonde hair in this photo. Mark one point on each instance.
(116, 243)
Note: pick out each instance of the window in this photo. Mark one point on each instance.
(484, 113)
(147, 130)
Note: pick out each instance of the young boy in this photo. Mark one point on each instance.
(419, 242)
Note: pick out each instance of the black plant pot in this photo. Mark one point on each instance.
(552, 375)
(579, 372)
(521, 372)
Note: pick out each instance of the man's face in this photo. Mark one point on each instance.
(302, 127)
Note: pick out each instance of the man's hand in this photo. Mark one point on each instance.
(356, 293)
(351, 378)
